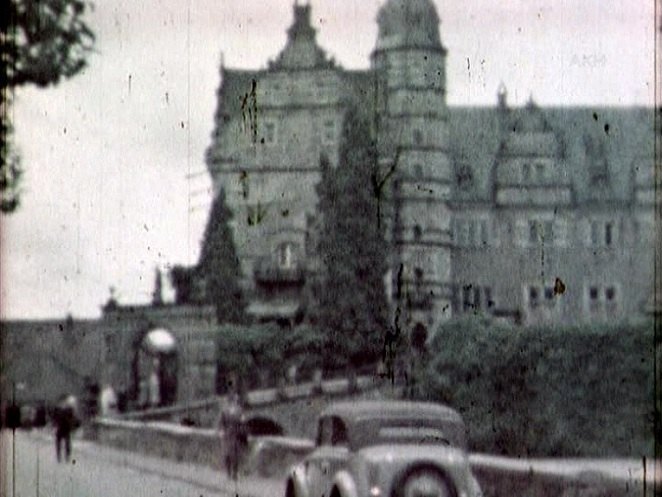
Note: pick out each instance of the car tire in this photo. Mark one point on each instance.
(289, 489)
(425, 482)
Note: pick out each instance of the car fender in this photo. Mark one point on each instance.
(474, 487)
(298, 478)
(344, 482)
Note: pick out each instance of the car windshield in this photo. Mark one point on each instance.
(409, 431)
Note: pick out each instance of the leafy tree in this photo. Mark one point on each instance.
(41, 43)
(219, 266)
(353, 309)
(10, 172)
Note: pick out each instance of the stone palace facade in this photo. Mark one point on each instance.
(527, 214)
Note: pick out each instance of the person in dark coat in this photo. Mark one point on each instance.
(233, 434)
(66, 422)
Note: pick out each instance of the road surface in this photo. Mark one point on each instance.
(29, 469)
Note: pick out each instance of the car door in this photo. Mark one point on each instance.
(313, 465)
(336, 457)
(328, 458)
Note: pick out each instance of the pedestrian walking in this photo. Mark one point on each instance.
(233, 434)
(66, 421)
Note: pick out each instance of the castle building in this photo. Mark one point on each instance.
(532, 215)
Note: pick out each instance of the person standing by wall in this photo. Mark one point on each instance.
(231, 423)
(153, 385)
(66, 421)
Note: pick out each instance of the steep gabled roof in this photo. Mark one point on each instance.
(624, 135)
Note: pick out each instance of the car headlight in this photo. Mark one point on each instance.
(375, 491)
(373, 480)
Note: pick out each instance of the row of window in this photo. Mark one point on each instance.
(287, 86)
(470, 232)
(539, 296)
(269, 132)
(308, 92)
(555, 232)
(599, 298)
(476, 232)
(476, 298)
(541, 231)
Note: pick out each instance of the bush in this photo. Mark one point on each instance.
(546, 391)
(259, 355)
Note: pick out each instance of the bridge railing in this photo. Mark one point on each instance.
(205, 411)
(498, 475)
(575, 477)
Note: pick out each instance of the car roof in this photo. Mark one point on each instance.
(383, 409)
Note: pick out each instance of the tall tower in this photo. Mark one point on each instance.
(412, 126)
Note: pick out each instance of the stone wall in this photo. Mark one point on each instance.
(43, 360)
(265, 456)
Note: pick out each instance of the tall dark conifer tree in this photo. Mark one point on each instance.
(219, 266)
(353, 309)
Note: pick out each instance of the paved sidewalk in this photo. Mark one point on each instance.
(203, 477)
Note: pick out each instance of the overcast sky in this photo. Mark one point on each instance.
(107, 194)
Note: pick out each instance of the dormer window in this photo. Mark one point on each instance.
(329, 131)
(596, 161)
(269, 132)
(541, 231)
(597, 172)
(540, 172)
(418, 277)
(464, 177)
(609, 234)
(526, 172)
(533, 297)
(603, 233)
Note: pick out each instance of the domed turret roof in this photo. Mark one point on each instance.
(531, 133)
(532, 120)
(408, 23)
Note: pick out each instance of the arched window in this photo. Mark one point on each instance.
(419, 336)
(418, 232)
(154, 369)
(285, 256)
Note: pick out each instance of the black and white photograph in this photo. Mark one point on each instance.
(331, 248)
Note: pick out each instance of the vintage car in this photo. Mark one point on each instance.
(386, 449)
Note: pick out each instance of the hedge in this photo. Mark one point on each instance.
(546, 391)
(259, 355)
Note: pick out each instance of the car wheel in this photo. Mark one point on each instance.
(425, 483)
(289, 489)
